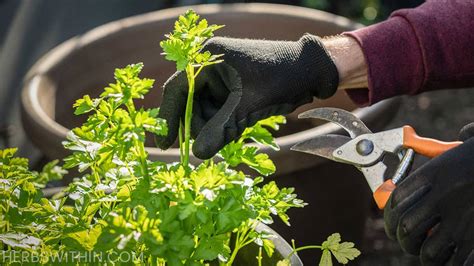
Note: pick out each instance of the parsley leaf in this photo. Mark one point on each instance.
(343, 252)
(209, 248)
(326, 259)
(184, 44)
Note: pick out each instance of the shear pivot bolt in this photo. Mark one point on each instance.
(365, 147)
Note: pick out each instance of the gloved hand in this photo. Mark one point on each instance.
(437, 198)
(257, 79)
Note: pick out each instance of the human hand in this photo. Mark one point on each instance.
(257, 79)
(431, 213)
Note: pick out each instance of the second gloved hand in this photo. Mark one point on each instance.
(437, 198)
(257, 79)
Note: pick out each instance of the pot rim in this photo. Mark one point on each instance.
(38, 73)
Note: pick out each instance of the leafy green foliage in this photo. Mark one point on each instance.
(113, 130)
(123, 201)
(236, 152)
(27, 220)
(240, 202)
(183, 45)
(169, 214)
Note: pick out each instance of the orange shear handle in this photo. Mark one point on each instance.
(424, 146)
(382, 194)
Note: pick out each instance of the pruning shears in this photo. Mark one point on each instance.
(366, 150)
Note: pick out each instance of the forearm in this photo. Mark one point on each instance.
(417, 50)
(349, 60)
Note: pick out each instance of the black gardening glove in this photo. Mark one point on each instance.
(439, 198)
(257, 79)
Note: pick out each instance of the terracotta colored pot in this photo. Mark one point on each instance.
(338, 196)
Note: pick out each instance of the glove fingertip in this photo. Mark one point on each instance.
(161, 143)
(212, 138)
(466, 132)
(203, 150)
(208, 144)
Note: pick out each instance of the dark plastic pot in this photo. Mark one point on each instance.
(338, 196)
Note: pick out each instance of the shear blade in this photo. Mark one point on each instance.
(323, 145)
(351, 123)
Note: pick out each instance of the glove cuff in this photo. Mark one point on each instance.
(321, 67)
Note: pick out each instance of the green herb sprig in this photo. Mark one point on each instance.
(184, 46)
(343, 252)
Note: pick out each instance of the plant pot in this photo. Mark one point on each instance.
(84, 65)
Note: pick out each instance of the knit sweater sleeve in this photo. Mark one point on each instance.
(426, 48)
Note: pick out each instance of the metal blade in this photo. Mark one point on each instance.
(343, 118)
(323, 146)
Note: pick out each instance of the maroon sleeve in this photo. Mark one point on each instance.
(426, 48)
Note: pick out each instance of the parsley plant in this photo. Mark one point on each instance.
(121, 201)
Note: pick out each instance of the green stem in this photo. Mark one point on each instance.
(143, 161)
(188, 112)
(241, 240)
(180, 138)
(236, 249)
(199, 71)
(303, 248)
(234, 254)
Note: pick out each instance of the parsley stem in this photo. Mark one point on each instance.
(259, 257)
(302, 248)
(188, 112)
(234, 254)
(143, 162)
(180, 139)
(199, 71)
